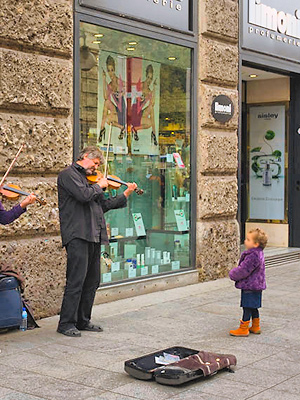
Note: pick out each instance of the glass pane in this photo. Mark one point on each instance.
(135, 105)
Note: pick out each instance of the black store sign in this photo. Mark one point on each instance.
(222, 108)
(168, 13)
(272, 27)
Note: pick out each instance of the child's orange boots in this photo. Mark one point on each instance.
(243, 330)
(255, 328)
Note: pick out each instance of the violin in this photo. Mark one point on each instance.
(13, 192)
(114, 182)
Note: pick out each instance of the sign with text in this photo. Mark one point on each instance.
(169, 13)
(222, 108)
(272, 27)
(267, 162)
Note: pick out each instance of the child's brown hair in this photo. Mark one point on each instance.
(260, 237)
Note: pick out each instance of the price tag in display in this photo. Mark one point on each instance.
(129, 232)
(180, 220)
(114, 232)
(175, 265)
(115, 266)
(106, 277)
(131, 272)
(144, 271)
(170, 158)
(139, 224)
(155, 269)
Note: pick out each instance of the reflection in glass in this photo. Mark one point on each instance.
(139, 92)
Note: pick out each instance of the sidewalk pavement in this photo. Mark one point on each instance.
(43, 364)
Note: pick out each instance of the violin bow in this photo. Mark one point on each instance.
(107, 151)
(11, 164)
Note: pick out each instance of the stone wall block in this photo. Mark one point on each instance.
(219, 17)
(217, 196)
(217, 248)
(37, 219)
(48, 146)
(217, 152)
(218, 62)
(42, 262)
(39, 24)
(207, 94)
(35, 83)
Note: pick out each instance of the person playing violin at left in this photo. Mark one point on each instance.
(6, 217)
(83, 230)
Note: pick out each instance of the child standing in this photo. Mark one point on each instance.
(249, 276)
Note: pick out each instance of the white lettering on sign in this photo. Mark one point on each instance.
(169, 3)
(278, 21)
(223, 109)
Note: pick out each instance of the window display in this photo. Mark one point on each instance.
(137, 94)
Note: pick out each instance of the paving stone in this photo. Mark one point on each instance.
(290, 386)
(272, 363)
(226, 388)
(4, 391)
(148, 390)
(112, 396)
(265, 379)
(101, 379)
(20, 396)
(274, 395)
(56, 389)
(46, 365)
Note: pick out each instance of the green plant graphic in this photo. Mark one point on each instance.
(274, 158)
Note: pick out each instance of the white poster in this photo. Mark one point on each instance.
(266, 157)
(112, 107)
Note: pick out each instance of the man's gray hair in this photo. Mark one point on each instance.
(92, 152)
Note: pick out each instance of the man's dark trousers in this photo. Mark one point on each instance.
(83, 279)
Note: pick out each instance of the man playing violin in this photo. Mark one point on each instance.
(83, 230)
(6, 217)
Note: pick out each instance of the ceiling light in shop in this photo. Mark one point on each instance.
(96, 41)
(98, 35)
(130, 48)
(172, 58)
(133, 43)
(253, 76)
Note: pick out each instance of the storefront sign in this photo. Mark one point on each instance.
(266, 162)
(272, 27)
(169, 13)
(222, 108)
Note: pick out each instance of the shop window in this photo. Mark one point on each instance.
(136, 92)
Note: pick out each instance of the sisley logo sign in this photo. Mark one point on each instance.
(272, 27)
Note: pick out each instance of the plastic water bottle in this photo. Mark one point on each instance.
(23, 326)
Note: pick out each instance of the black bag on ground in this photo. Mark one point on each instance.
(10, 303)
(191, 364)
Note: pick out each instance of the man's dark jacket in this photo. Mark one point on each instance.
(82, 207)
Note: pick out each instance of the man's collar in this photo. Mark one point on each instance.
(79, 167)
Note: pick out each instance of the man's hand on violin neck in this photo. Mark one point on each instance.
(130, 188)
(28, 200)
(103, 183)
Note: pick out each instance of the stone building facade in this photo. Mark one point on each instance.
(36, 108)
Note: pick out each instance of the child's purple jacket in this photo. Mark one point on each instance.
(250, 273)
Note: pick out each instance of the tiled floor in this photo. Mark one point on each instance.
(41, 364)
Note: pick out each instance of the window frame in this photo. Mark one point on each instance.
(152, 32)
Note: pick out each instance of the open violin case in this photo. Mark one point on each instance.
(189, 365)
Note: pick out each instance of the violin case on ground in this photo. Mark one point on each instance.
(193, 364)
(10, 302)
